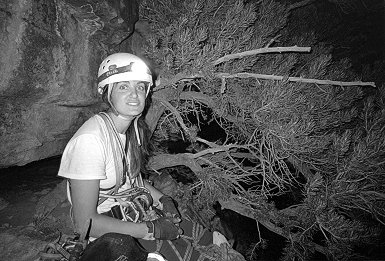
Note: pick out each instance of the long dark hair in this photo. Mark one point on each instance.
(139, 154)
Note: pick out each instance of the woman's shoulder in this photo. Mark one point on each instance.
(93, 126)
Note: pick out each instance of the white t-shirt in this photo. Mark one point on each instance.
(89, 156)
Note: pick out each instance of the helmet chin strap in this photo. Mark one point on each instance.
(137, 130)
(115, 111)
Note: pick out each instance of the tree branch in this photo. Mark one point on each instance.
(197, 96)
(293, 79)
(190, 159)
(300, 4)
(207, 100)
(261, 50)
(214, 148)
(243, 210)
(177, 115)
(208, 143)
(161, 161)
(164, 82)
(236, 206)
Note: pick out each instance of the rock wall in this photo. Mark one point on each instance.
(50, 54)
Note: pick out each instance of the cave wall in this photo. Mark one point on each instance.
(50, 54)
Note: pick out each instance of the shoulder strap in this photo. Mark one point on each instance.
(117, 148)
(119, 153)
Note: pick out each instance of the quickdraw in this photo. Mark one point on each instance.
(65, 248)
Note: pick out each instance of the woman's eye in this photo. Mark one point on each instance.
(124, 87)
(140, 87)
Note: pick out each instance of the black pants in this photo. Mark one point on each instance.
(114, 246)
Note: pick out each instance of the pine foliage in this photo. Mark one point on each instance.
(278, 133)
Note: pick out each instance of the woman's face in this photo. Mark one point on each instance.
(129, 97)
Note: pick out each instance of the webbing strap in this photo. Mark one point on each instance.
(176, 250)
(117, 149)
(192, 241)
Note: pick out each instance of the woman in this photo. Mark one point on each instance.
(103, 163)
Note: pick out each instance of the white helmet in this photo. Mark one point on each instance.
(120, 67)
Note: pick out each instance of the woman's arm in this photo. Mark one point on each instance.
(84, 197)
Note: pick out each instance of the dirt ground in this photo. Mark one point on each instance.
(33, 209)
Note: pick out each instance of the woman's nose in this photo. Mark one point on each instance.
(133, 92)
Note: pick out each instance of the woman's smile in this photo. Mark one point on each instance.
(133, 103)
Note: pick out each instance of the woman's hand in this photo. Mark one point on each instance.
(163, 228)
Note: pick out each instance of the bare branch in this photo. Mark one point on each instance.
(243, 210)
(209, 143)
(198, 96)
(164, 82)
(236, 206)
(214, 148)
(176, 114)
(161, 161)
(189, 159)
(260, 51)
(209, 151)
(217, 148)
(272, 40)
(294, 79)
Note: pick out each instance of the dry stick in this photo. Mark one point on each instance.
(293, 79)
(209, 143)
(176, 113)
(214, 148)
(261, 50)
(272, 40)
